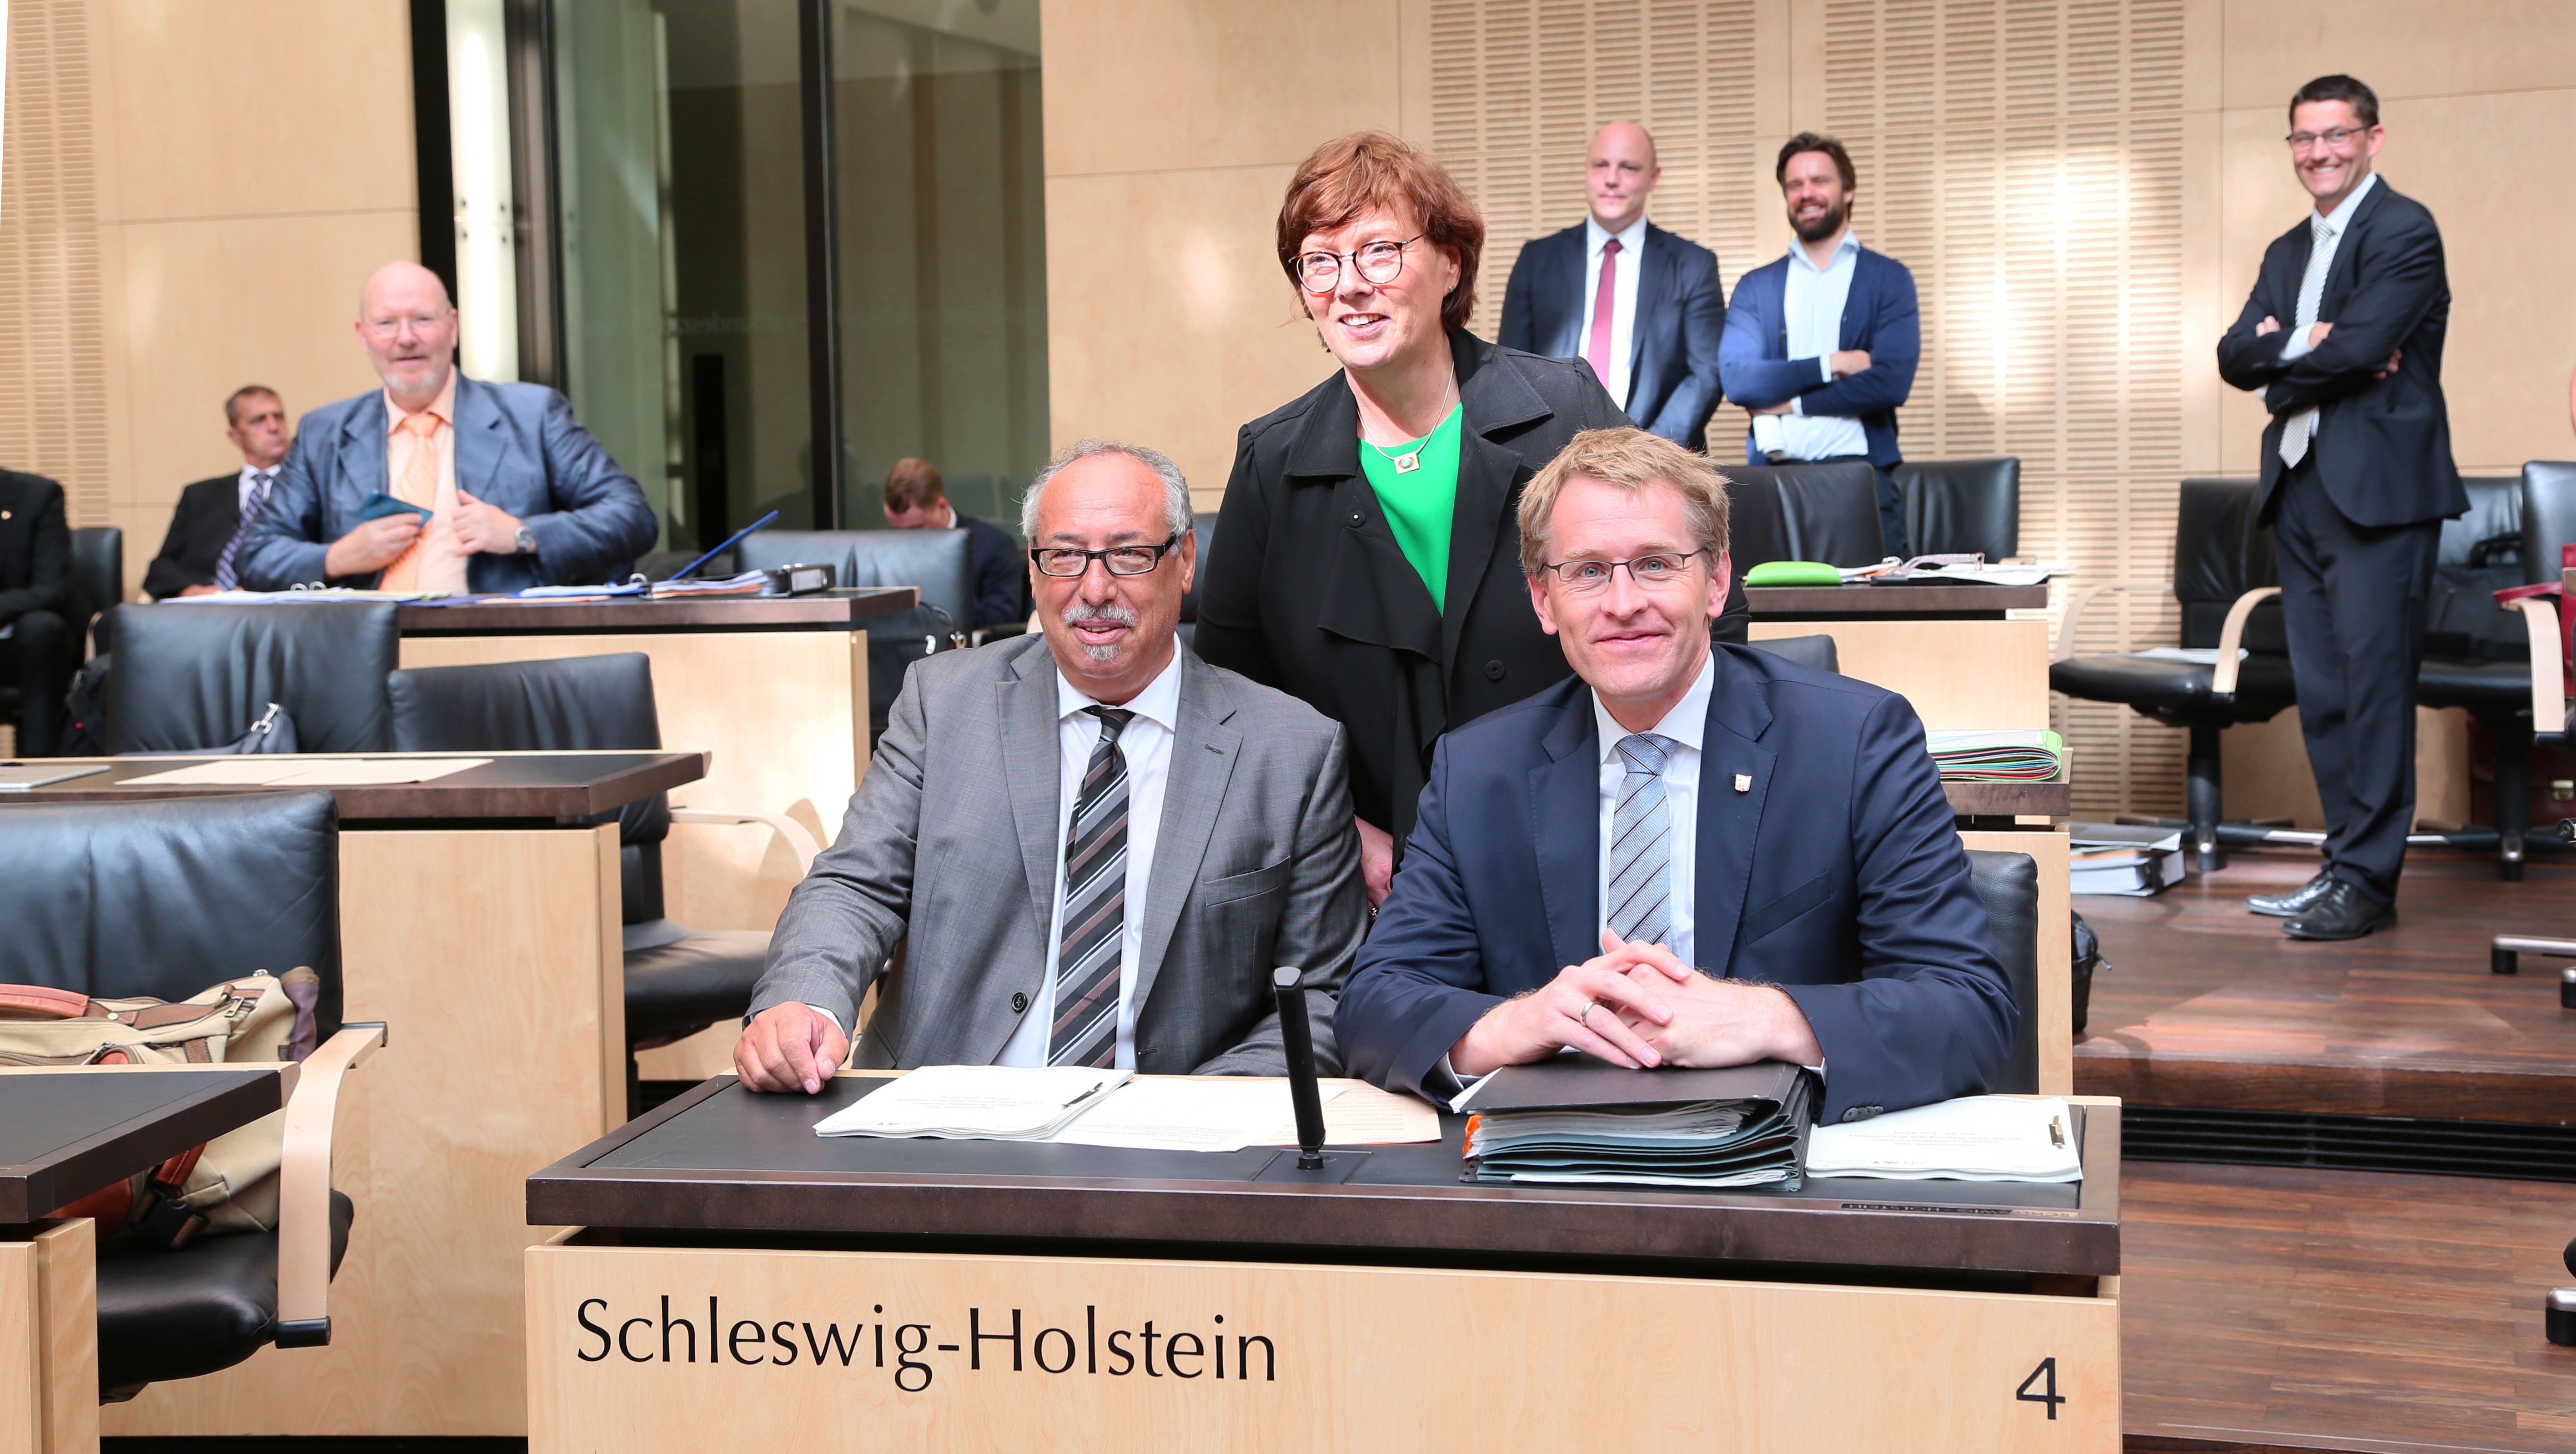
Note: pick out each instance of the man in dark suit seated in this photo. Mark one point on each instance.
(199, 554)
(35, 575)
(1642, 306)
(1091, 847)
(915, 499)
(1686, 854)
(518, 493)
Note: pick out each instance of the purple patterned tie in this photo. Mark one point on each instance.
(225, 577)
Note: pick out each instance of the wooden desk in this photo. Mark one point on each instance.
(1388, 1307)
(483, 930)
(775, 688)
(1950, 649)
(64, 1134)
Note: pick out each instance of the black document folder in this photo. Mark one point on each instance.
(1575, 1119)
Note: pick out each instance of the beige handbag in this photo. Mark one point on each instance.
(230, 1183)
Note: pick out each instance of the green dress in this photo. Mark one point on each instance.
(1420, 502)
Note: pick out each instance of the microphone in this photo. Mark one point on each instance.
(1299, 1039)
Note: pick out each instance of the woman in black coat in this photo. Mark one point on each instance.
(1366, 559)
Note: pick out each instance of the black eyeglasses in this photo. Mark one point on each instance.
(1118, 560)
(1378, 262)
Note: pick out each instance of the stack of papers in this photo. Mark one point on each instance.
(1575, 1119)
(1075, 1107)
(1957, 570)
(976, 1102)
(2019, 756)
(262, 770)
(1176, 1113)
(1974, 1138)
(2113, 858)
(749, 583)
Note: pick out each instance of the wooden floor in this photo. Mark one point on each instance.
(2208, 1006)
(2268, 1309)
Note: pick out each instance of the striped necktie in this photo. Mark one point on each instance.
(226, 576)
(1089, 949)
(1641, 844)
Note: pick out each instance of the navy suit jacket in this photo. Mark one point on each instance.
(1001, 574)
(517, 447)
(1879, 314)
(1837, 875)
(1672, 348)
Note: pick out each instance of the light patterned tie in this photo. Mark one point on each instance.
(1092, 943)
(1641, 844)
(227, 577)
(418, 486)
(2302, 426)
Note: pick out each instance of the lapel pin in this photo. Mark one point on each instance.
(1744, 782)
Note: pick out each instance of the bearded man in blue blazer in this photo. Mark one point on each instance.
(1688, 853)
(517, 493)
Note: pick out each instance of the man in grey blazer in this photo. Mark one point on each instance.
(518, 493)
(1090, 846)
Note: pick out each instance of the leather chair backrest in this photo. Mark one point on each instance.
(2548, 517)
(2480, 553)
(938, 563)
(1204, 529)
(2008, 885)
(169, 896)
(570, 704)
(194, 677)
(1825, 512)
(1816, 652)
(1954, 506)
(2222, 549)
(98, 581)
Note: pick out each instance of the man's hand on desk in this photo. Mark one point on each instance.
(1596, 1006)
(790, 1047)
(1717, 1022)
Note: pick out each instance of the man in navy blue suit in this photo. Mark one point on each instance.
(517, 492)
(1820, 346)
(1642, 306)
(1686, 854)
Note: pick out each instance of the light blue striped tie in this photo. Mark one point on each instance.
(1641, 844)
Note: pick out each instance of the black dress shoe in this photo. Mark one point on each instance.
(2344, 913)
(2297, 901)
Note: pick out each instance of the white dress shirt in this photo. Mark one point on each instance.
(1147, 745)
(1623, 298)
(2321, 256)
(1811, 305)
(249, 474)
(1685, 725)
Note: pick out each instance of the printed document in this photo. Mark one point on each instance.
(1974, 1138)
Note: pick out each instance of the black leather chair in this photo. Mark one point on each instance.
(166, 898)
(1962, 506)
(1823, 512)
(98, 583)
(1809, 651)
(937, 563)
(1204, 529)
(679, 980)
(190, 677)
(2228, 587)
(2008, 885)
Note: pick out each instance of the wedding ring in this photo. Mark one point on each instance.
(1585, 1019)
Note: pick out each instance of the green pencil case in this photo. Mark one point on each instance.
(1793, 573)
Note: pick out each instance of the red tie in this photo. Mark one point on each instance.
(1604, 302)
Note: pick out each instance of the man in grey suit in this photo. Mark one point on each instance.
(1091, 847)
(509, 490)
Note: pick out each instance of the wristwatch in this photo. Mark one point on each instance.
(527, 541)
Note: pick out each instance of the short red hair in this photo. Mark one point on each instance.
(1378, 171)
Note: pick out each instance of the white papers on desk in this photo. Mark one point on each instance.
(1177, 1113)
(258, 770)
(1974, 1138)
(976, 1102)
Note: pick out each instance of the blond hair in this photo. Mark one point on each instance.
(1628, 459)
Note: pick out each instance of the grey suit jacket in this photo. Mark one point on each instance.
(950, 849)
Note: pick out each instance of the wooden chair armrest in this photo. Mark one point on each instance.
(2548, 669)
(799, 842)
(2231, 637)
(304, 1186)
(2084, 598)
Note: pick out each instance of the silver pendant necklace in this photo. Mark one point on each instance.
(1411, 460)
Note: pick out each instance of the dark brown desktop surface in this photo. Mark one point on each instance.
(721, 1160)
(836, 610)
(542, 785)
(65, 1134)
(1891, 603)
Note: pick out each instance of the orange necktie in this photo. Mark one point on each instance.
(418, 486)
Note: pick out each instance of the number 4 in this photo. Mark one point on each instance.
(2046, 1376)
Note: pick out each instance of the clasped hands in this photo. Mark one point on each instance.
(2317, 336)
(1637, 1006)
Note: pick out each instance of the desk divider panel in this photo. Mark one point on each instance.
(1956, 673)
(49, 1341)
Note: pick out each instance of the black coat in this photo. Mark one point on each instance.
(35, 546)
(2383, 446)
(1305, 589)
(209, 512)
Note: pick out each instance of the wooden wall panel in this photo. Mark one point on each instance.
(53, 394)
